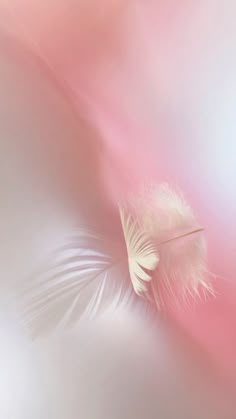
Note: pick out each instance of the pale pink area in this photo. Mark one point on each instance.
(158, 80)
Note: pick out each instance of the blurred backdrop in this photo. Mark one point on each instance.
(147, 91)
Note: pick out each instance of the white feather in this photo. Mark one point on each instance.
(164, 259)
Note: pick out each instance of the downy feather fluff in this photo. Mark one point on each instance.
(169, 224)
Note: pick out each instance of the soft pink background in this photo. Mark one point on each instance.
(158, 79)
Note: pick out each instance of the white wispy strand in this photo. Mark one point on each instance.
(82, 279)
